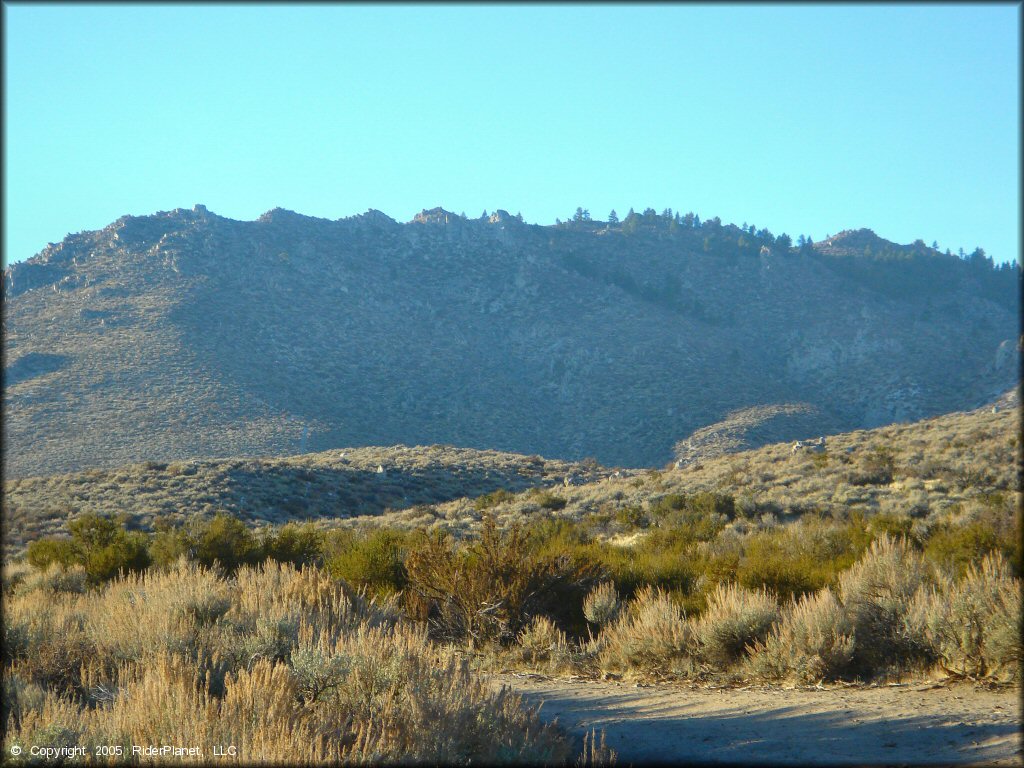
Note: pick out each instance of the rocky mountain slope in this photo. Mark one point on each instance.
(185, 334)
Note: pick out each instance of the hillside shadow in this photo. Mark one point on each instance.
(33, 365)
(318, 491)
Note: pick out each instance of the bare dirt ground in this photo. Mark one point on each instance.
(891, 725)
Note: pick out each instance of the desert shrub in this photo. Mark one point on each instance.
(296, 544)
(169, 543)
(735, 618)
(875, 468)
(881, 461)
(14, 641)
(14, 573)
(492, 499)
(19, 698)
(490, 589)
(876, 594)
(601, 605)
(891, 525)
(227, 542)
(974, 625)
(359, 686)
(812, 641)
(56, 578)
(801, 558)
(139, 615)
(548, 500)
(99, 544)
(41, 553)
(56, 646)
(272, 639)
(541, 641)
(317, 673)
(631, 517)
(652, 635)
(372, 559)
(955, 547)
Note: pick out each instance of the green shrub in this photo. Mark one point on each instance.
(92, 531)
(550, 501)
(492, 499)
(631, 517)
(708, 503)
(374, 559)
(44, 552)
(703, 504)
(891, 524)
(169, 543)
(296, 544)
(227, 542)
(694, 518)
(489, 590)
(128, 552)
(769, 562)
(99, 544)
(668, 503)
(801, 558)
(557, 535)
(955, 548)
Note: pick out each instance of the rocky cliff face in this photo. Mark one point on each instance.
(188, 334)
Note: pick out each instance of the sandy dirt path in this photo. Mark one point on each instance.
(664, 723)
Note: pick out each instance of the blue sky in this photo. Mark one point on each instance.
(802, 119)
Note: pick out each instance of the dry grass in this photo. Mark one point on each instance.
(877, 593)
(651, 636)
(602, 604)
(164, 658)
(735, 619)
(974, 626)
(813, 641)
(544, 646)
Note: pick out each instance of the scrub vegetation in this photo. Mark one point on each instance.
(313, 642)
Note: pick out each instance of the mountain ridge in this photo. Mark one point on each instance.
(186, 334)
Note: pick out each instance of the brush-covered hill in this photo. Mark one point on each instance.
(186, 334)
(935, 469)
(331, 486)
